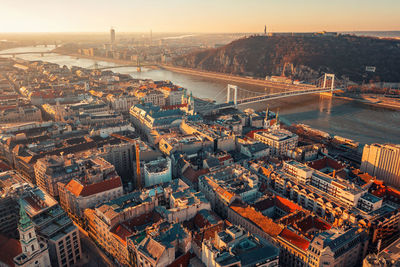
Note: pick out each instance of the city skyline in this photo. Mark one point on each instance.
(205, 16)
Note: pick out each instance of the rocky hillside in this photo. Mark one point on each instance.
(262, 56)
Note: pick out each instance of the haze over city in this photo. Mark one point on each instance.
(214, 133)
(198, 16)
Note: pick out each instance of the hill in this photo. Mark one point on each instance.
(261, 56)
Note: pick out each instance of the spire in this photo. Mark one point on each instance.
(277, 117)
(24, 220)
(266, 113)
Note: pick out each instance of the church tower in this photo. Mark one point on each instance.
(191, 104)
(34, 252)
(267, 121)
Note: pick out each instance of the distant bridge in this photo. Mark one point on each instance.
(97, 66)
(13, 54)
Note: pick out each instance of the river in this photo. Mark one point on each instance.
(361, 122)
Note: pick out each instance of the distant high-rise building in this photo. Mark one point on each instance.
(382, 161)
(151, 37)
(112, 35)
(265, 30)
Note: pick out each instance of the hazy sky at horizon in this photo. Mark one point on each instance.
(198, 16)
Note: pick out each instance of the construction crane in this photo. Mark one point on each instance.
(137, 154)
(284, 68)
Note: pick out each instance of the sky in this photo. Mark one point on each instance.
(198, 15)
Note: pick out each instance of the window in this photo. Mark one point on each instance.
(33, 247)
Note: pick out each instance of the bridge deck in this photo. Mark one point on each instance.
(261, 98)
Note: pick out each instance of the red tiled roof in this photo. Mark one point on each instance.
(78, 189)
(224, 194)
(207, 234)
(227, 157)
(127, 228)
(312, 222)
(263, 222)
(386, 192)
(363, 175)
(294, 239)
(182, 261)
(9, 248)
(122, 232)
(286, 205)
(325, 162)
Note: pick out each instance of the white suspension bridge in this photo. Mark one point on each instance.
(236, 96)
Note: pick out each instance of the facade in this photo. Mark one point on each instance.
(161, 247)
(51, 170)
(34, 252)
(154, 97)
(338, 248)
(54, 169)
(122, 102)
(173, 95)
(279, 140)
(20, 114)
(105, 222)
(8, 216)
(76, 196)
(222, 138)
(382, 161)
(189, 144)
(157, 172)
(62, 112)
(147, 117)
(121, 156)
(255, 150)
(235, 247)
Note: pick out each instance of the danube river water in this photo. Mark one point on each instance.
(361, 122)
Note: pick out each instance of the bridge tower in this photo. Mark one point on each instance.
(139, 68)
(95, 65)
(228, 95)
(332, 77)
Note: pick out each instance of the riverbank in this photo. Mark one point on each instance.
(106, 59)
(384, 104)
(235, 78)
